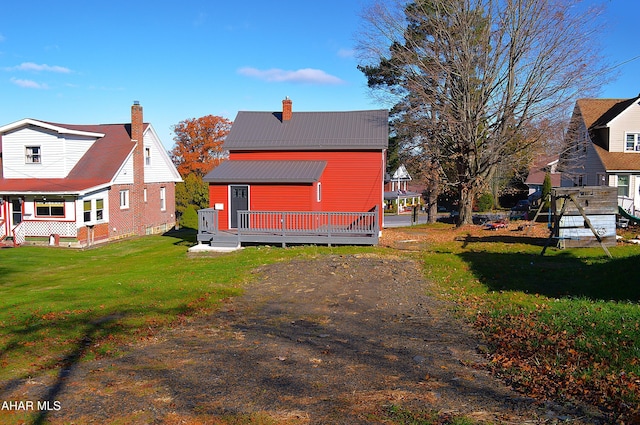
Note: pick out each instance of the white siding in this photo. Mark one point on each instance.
(58, 154)
(161, 169)
(626, 122)
(125, 175)
(104, 195)
(583, 161)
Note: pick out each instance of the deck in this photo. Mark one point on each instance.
(290, 227)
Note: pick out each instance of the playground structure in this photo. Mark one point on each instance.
(583, 217)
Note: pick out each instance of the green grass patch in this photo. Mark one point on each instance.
(59, 305)
(563, 325)
(398, 415)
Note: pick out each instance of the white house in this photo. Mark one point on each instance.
(603, 148)
(81, 184)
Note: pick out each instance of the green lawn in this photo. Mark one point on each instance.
(54, 302)
(563, 325)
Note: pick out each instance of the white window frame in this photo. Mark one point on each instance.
(32, 154)
(147, 156)
(319, 192)
(163, 199)
(628, 178)
(634, 144)
(124, 199)
(87, 219)
(99, 211)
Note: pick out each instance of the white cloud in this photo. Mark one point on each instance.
(29, 84)
(346, 53)
(30, 66)
(305, 75)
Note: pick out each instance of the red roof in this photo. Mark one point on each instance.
(97, 167)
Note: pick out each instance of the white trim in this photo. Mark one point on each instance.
(635, 103)
(61, 130)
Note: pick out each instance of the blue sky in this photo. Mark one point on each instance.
(85, 62)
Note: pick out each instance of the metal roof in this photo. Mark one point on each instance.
(266, 172)
(349, 130)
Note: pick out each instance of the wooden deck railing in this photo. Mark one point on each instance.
(295, 227)
(301, 223)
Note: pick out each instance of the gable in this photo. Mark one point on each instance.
(359, 130)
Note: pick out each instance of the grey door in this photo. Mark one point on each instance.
(239, 202)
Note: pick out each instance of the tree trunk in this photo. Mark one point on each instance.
(433, 206)
(466, 207)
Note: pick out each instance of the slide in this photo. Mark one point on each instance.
(625, 214)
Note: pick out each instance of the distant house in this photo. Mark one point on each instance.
(604, 148)
(537, 172)
(301, 161)
(82, 184)
(398, 191)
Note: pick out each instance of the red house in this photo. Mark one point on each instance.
(301, 161)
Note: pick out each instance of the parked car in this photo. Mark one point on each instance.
(522, 205)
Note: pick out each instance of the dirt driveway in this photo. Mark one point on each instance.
(328, 340)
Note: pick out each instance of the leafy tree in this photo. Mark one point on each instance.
(199, 144)
(546, 190)
(191, 192)
(470, 78)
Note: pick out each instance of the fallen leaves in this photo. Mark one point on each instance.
(549, 363)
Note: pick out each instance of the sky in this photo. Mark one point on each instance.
(85, 62)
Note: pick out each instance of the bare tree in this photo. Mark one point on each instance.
(470, 78)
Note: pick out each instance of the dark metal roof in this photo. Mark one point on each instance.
(359, 130)
(266, 172)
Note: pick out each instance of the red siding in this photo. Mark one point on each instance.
(263, 197)
(352, 181)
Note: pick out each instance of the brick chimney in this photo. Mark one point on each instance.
(286, 109)
(137, 193)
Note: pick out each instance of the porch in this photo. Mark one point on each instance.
(42, 231)
(290, 227)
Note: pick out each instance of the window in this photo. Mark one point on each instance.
(87, 211)
(632, 142)
(623, 185)
(33, 155)
(319, 192)
(602, 179)
(50, 208)
(99, 209)
(144, 195)
(163, 199)
(147, 156)
(124, 199)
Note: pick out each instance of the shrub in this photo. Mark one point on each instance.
(189, 218)
(485, 202)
